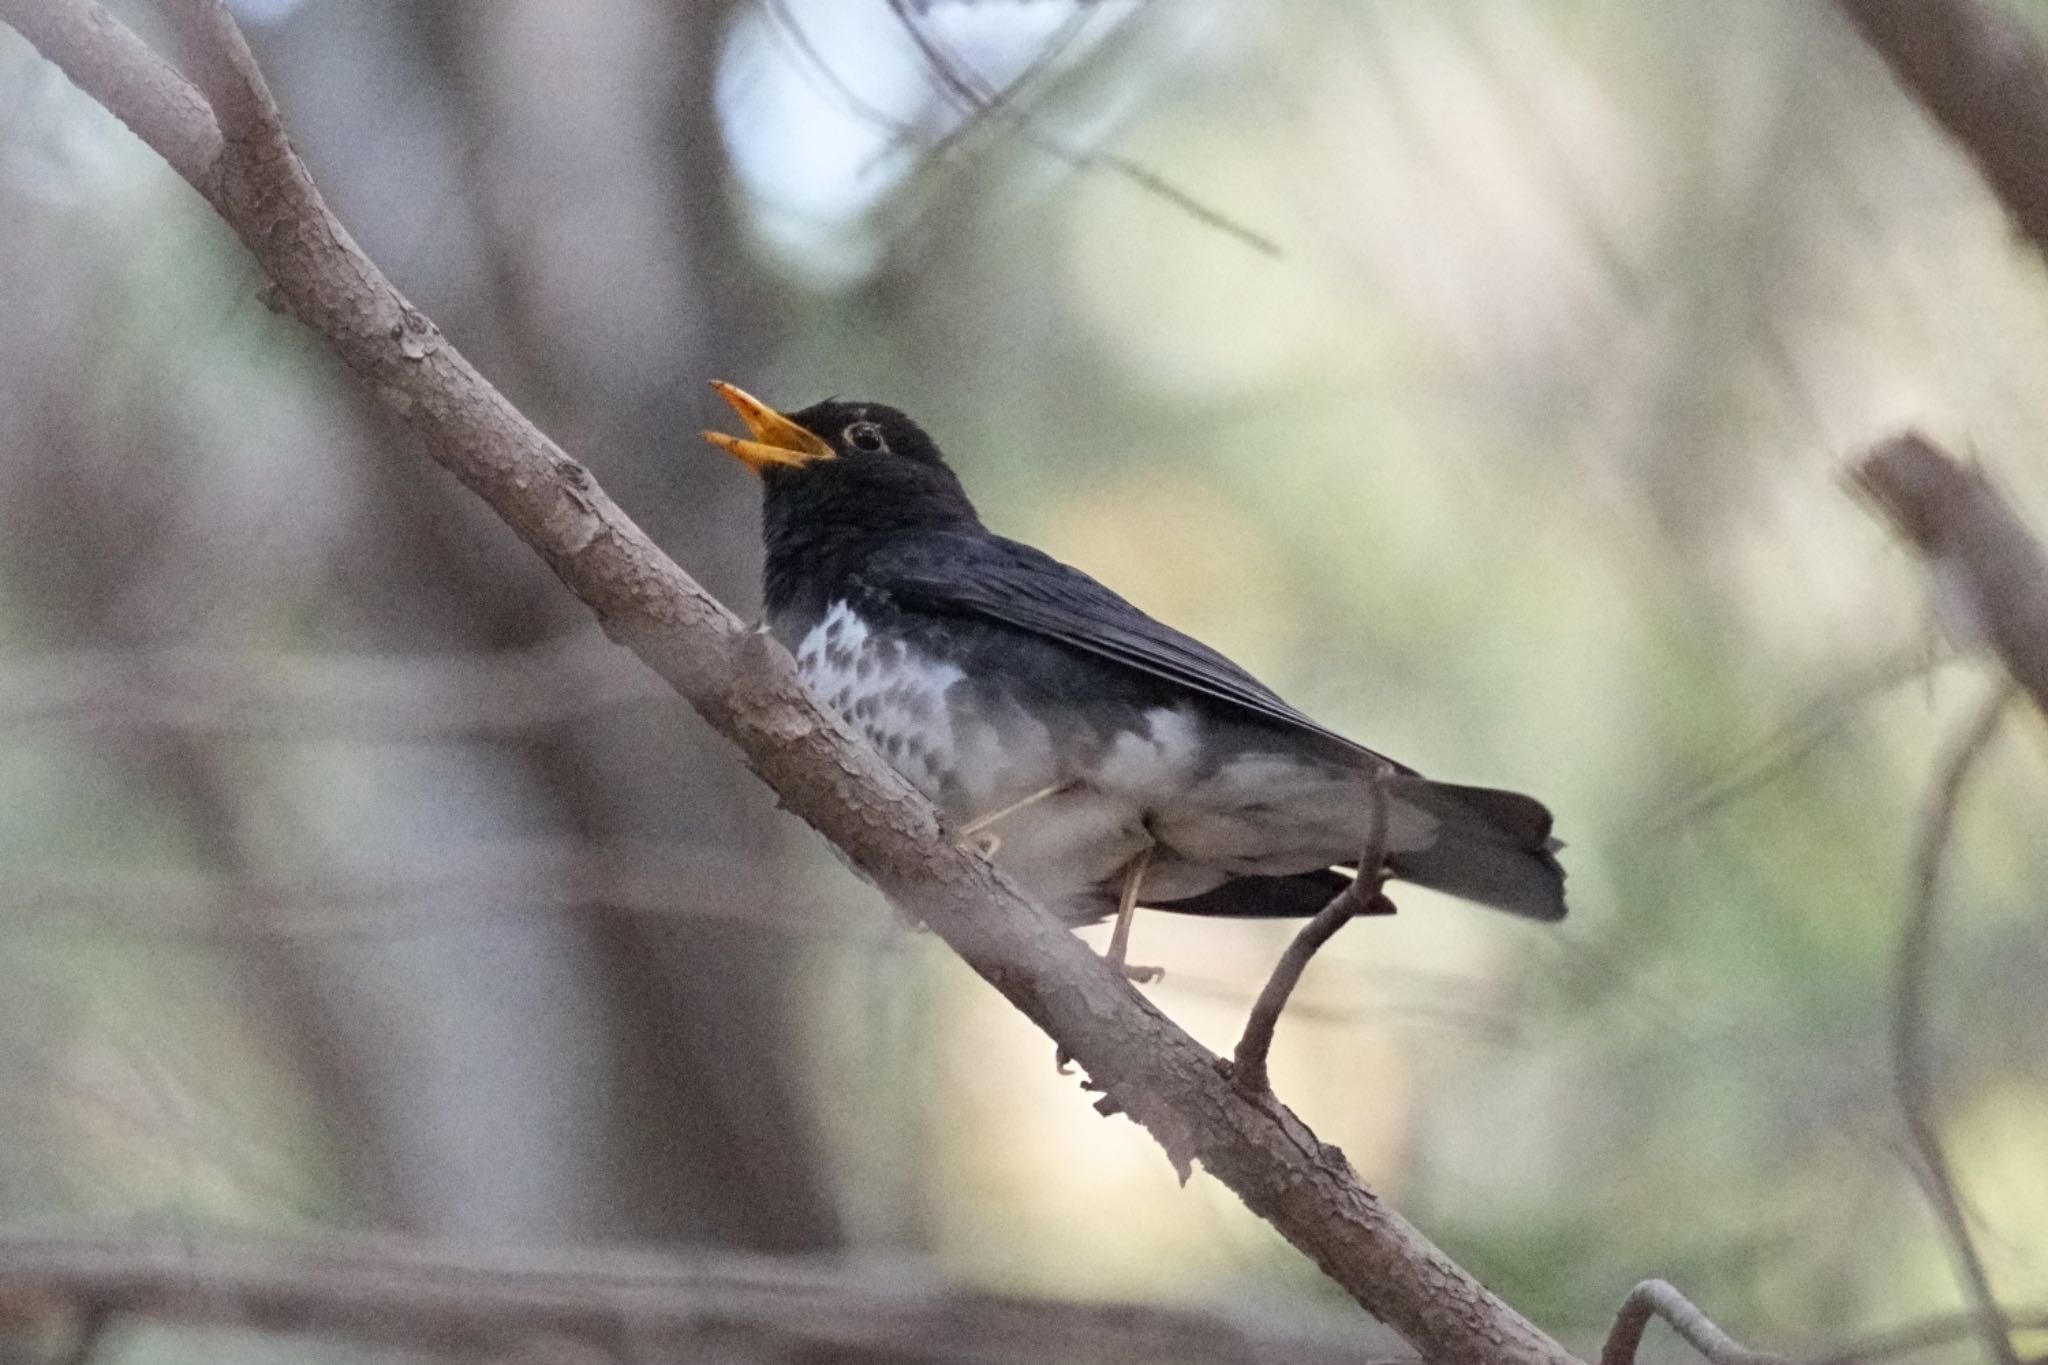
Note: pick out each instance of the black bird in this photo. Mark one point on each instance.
(1102, 758)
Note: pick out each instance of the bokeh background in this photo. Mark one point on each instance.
(1481, 375)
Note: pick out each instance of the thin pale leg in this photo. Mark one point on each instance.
(989, 843)
(1120, 939)
(1126, 908)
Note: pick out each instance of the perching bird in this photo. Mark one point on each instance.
(1102, 758)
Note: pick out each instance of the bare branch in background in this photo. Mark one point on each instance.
(1989, 574)
(616, 1305)
(1978, 69)
(746, 687)
(312, 695)
(1914, 976)
(1980, 72)
(1813, 725)
(980, 103)
(411, 896)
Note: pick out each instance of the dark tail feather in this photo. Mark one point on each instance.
(1493, 847)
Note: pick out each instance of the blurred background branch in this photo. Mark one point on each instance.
(1979, 69)
(611, 1305)
(1911, 1064)
(1989, 575)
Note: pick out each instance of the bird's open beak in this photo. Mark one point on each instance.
(776, 439)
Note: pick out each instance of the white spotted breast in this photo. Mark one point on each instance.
(893, 695)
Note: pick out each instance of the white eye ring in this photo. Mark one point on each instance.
(865, 436)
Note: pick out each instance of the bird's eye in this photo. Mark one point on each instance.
(865, 436)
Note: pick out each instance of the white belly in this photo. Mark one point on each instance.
(1257, 814)
(1264, 815)
(901, 702)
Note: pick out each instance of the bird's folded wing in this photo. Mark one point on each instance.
(1000, 580)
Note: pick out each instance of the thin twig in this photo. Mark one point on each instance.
(808, 55)
(1658, 1299)
(1364, 896)
(1805, 732)
(1042, 61)
(979, 102)
(955, 79)
(1914, 975)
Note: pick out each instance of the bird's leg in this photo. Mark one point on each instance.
(1126, 907)
(989, 843)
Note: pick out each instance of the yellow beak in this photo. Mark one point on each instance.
(776, 439)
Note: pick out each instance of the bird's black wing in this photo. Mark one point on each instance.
(1000, 580)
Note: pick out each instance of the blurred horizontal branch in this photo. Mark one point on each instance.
(539, 877)
(746, 687)
(316, 695)
(645, 1307)
(494, 879)
(624, 1306)
(1989, 574)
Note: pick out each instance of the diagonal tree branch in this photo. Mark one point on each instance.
(115, 67)
(745, 686)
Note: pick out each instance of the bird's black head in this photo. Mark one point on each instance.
(838, 478)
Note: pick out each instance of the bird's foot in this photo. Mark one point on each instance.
(985, 844)
(1140, 976)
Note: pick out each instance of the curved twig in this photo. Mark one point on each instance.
(1363, 897)
(1658, 1299)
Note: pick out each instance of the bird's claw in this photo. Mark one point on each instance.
(1140, 976)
